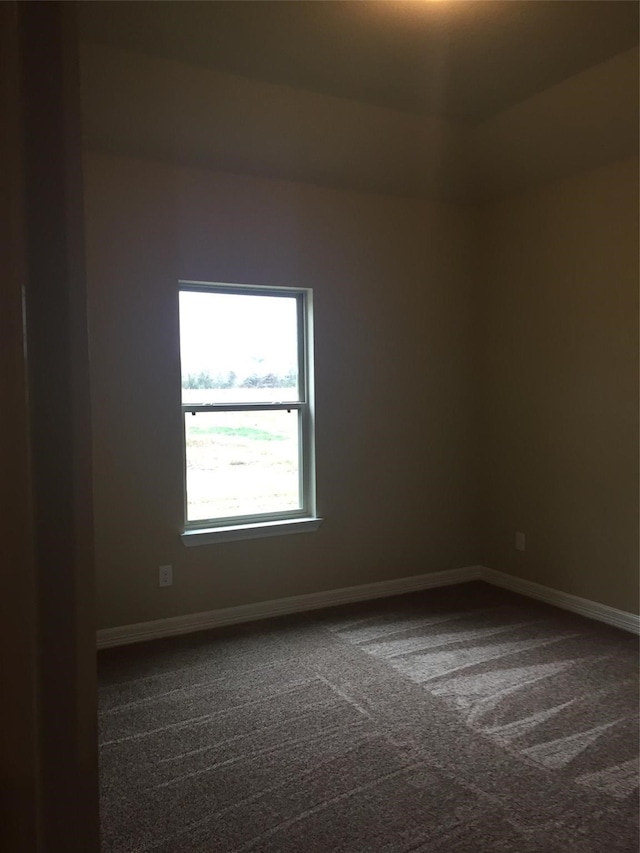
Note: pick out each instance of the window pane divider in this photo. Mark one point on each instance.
(242, 407)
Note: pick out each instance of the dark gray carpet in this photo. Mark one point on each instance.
(458, 719)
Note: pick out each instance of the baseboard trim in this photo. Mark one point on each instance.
(566, 601)
(175, 625)
(137, 633)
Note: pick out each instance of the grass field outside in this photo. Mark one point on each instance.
(241, 463)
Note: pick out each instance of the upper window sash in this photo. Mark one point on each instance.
(301, 298)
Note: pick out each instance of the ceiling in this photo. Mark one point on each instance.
(465, 60)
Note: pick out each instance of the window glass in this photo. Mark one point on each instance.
(237, 347)
(241, 463)
(248, 428)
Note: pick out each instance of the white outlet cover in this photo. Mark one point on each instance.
(165, 575)
(520, 542)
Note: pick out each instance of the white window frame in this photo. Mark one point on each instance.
(260, 525)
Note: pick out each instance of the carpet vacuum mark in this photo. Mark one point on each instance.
(460, 719)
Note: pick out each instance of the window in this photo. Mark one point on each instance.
(247, 405)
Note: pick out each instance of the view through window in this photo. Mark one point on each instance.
(245, 400)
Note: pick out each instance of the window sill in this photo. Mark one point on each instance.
(211, 535)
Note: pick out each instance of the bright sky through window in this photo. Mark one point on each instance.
(227, 333)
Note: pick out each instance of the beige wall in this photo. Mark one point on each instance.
(579, 124)
(510, 326)
(144, 106)
(517, 321)
(558, 314)
(395, 425)
(140, 105)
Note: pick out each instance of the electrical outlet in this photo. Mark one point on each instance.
(520, 542)
(165, 575)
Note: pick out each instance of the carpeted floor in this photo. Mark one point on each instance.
(454, 720)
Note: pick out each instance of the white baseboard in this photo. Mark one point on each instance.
(175, 625)
(280, 607)
(583, 606)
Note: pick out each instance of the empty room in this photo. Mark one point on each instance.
(327, 425)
